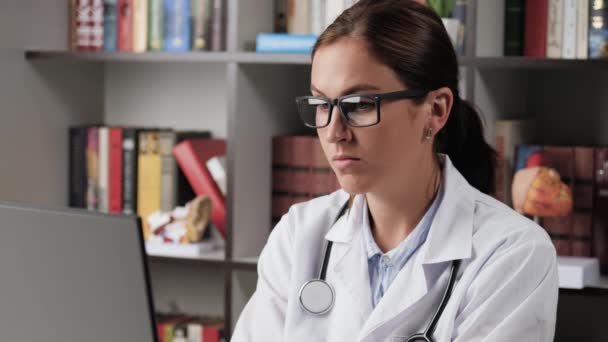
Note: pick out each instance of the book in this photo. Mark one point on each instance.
(577, 272)
(104, 166)
(183, 190)
(600, 208)
(598, 29)
(92, 167)
(130, 148)
(191, 156)
(140, 25)
(570, 26)
(167, 170)
(188, 250)
(115, 170)
(110, 25)
(535, 31)
(125, 25)
(73, 25)
(284, 43)
(514, 27)
(201, 24)
(86, 25)
(218, 25)
(156, 13)
(217, 167)
(460, 13)
(298, 17)
(317, 17)
(177, 25)
(555, 29)
(77, 167)
(582, 30)
(149, 177)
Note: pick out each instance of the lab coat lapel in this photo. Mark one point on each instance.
(348, 260)
(449, 238)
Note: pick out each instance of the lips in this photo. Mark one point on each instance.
(344, 162)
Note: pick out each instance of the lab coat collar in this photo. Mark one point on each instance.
(450, 235)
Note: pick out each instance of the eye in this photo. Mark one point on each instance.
(318, 104)
(358, 104)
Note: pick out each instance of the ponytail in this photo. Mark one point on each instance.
(462, 139)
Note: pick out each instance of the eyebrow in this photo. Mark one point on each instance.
(350, 90)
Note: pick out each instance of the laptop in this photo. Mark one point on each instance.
(72, 275)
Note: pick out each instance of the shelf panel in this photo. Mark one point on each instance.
(599, 290)
(297, 59)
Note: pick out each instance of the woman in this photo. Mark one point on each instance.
(415, 172)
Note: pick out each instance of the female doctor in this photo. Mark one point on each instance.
(411, 248)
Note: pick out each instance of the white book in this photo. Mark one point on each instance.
(570, 26)
(582, 30)
(298, 18)
(189, 250)
(333, 8)
(490, 28)
(217, 168)
(555, 28)
(577, 272)
(317, 16)
(104, 168)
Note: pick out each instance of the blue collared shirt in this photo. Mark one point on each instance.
(384, 267)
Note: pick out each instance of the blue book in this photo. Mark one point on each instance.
(110, 25)
(285, 43)
(598, 29)
(177, 25)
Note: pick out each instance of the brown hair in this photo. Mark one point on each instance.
(410, 38)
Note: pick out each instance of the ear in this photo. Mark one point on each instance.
(442, 100)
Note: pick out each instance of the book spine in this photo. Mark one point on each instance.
(284, 43)
(201, 16)
(140, 25)
(104, 153)
(84, 25)
(582, 30)
(130, 144)
(218, 26)
(167, 171)
(96, 24)
(92, 167)
(600, 209)
(535, 35)
(115, 171)
(148, 178)
(125, 25)
(333, 9)
(155, 24)
(298, 18)
(177, 25)
(73, 34)
(460, 13)
(78, 167)
(555, 28)
(514, 27)
(570, 34)
(317, 17)
(110, 25)
(598, 29)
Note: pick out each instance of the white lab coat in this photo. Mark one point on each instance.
(506, 289)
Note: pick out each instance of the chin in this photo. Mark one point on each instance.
(353, 184)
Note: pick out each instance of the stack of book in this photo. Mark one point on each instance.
(300, 172)
(143, 170)
(147, 25)
(572, 29)
(189, 328)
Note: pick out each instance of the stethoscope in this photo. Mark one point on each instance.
(317, 296)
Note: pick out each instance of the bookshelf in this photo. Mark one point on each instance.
(231, 94)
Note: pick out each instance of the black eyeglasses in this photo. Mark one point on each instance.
(357, 110)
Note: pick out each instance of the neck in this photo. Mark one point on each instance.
(395, 213)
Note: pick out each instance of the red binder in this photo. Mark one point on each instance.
(191, 156)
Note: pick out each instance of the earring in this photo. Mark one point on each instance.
(429, 133)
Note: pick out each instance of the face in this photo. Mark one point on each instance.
(368, 159)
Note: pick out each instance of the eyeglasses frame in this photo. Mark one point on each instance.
(394, 95)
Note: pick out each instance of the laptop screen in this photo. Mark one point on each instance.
(72, 275)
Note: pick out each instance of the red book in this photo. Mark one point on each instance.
(535, 28)
(125, 25)
(115, 171)
(191, 156)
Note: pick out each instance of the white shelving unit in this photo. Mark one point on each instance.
(246, 98)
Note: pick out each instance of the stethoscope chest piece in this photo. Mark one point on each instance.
(317, 296)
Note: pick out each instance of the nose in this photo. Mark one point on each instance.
(337, 130)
